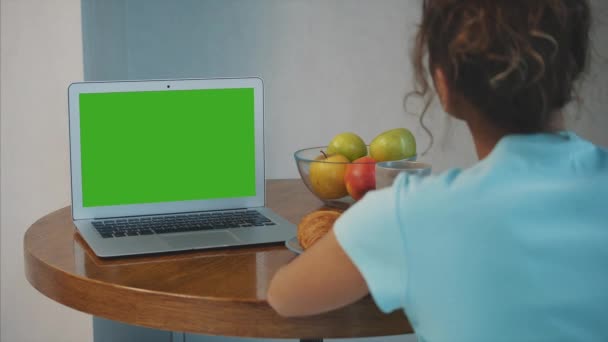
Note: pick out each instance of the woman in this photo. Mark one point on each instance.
(514, 248)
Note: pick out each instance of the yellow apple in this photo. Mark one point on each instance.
(327, 176)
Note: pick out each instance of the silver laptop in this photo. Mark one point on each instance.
(171, 165)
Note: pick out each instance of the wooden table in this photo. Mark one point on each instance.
(217, 292)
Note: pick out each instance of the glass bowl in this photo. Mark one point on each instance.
(327, 181)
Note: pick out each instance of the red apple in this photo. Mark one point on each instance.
(360, 177)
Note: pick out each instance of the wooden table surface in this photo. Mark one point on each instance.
(217, 292)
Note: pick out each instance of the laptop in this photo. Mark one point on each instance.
(170, 165)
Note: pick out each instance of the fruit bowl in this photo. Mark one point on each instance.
(336, 183)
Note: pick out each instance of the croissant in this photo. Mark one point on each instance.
(315, 225)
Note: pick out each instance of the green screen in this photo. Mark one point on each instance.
(164, 146)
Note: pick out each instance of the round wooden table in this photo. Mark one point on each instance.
(215, 292)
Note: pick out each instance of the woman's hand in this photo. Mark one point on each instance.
(321, 279)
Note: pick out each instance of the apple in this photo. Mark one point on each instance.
(395, 144)
(347, 144)
(327, 176)
(360, 177)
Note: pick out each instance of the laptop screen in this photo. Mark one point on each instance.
(166, 146)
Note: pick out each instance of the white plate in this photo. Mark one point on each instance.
(294, 246)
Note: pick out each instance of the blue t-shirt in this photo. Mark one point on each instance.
(513, 249)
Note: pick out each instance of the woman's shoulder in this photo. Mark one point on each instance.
(522, 172)
(444, 183)
(517, 159)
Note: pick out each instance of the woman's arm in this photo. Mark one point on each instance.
(321, 279)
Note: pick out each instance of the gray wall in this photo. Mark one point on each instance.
(329, 66)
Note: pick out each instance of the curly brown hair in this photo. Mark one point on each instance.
(516, 61)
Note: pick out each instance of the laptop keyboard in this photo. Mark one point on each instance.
(180, 223)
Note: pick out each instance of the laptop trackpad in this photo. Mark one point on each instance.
(206, 239)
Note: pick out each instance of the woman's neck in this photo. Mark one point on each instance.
(485, 137)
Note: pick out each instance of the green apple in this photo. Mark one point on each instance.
(349, 145)
(395, 144)
(327, 176)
